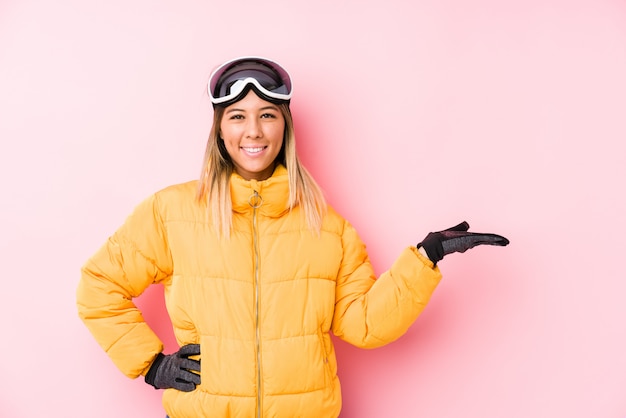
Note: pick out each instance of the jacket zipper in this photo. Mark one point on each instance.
(256, 201)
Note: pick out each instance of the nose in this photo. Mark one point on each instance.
(253, 128)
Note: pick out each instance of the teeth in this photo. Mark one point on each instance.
(257, 149)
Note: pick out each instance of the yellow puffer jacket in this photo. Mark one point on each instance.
(261, 304)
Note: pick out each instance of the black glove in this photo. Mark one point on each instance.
(457, 239)
(176, 370)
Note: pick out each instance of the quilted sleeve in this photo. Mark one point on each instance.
(372, 312)
(136, 256)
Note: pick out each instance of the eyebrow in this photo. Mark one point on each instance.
(270, 107)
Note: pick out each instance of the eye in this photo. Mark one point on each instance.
(236, 116)
(268, 115)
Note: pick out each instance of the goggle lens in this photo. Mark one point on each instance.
(230, 81)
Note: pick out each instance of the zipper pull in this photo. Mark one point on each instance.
(255, 200)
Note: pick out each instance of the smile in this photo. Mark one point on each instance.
(253, 150)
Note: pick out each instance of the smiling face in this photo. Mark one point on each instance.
(252, 130)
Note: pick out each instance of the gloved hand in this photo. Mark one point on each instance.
(457, 239)
(176, 370)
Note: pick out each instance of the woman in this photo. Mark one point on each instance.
(257, 271)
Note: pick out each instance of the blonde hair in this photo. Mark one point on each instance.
(217, 168)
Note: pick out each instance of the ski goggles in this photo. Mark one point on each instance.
(231, 81)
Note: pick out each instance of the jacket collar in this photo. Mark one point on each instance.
(274, 193)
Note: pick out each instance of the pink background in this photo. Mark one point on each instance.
(413, 115)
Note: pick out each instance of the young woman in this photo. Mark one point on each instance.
(257, 271)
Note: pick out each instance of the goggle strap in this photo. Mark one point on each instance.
(230, 99)
(244, 86)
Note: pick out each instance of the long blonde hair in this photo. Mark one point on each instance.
(217, 168)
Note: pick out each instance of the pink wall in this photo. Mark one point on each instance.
(414, 115)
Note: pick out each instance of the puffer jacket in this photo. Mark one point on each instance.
(261, 304)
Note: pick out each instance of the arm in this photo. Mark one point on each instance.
(372, 312)
(136, 256)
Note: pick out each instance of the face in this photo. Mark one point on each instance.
(252, 130)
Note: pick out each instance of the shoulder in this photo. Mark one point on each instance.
(180, 190)
(334, 222)
(176, 200)
(176, 194)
